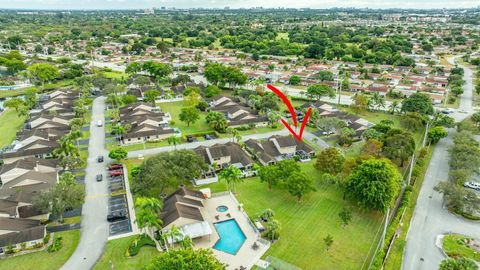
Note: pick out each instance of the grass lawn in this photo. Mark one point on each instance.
(70, 220)
(139, 146)
(174, 109)
(115, 253)
(43, 259)
(305, 224)
(115, 74)
(454, 246)
(10, 123)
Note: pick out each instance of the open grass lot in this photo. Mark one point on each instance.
(304, 224)
(10, 123)
(174, 108)
(43, 259)
(115, 74)
(454, 246)
(115, 253)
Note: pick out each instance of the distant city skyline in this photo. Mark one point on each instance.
(318, 4)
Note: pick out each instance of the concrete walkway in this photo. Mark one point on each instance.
(94, 227)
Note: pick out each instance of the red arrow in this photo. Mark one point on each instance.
(292, 112)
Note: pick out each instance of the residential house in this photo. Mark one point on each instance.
(277, 148)
(185, 210)
(39, 148)
(220, 156)
(18, 231)
(237, 114)
(146, 132)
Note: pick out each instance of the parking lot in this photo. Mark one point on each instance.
(117, 207)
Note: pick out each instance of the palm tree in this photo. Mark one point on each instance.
(174, 234)
(394, 106)
(173, 140)
(231, 175)
(235, 134)
(273, 227)
(148, 216)
(118, 130)
(217, 121)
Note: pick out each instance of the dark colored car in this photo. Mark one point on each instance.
(207, 137)
(99, 177)
(100, 159)
(116, 216)
(190, 138)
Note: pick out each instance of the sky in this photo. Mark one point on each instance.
(139, 4)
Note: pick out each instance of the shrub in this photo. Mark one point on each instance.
(56, 245)
(46, 238)
(137, 244)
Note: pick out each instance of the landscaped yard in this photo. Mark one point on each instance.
(304, 224)
(455, 246)
(115, 253)
(10, 123)
(43, 259)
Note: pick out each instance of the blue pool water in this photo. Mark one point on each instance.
(231, 236)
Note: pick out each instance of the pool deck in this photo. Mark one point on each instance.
(245, 256)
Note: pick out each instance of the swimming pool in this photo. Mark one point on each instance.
(231, 236)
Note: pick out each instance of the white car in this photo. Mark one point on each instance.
(472, 185)
(99, 123)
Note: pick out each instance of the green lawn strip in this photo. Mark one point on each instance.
(115, 253)
(394, 259)
(10, 123)
(455, 247)
(42, 259)
(70, 220)
(304, 224)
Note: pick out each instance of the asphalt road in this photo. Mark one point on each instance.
(430, 218)
(94, 227)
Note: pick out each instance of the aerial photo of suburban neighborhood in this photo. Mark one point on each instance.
(235, 135)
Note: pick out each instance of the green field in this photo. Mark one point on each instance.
(10, 123)
(43, 259)
(304, 224)
(174, 108)
(115, 253)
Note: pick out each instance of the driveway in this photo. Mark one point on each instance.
(430, 218)
(94, 226)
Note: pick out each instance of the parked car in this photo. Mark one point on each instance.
(207, 137)
(99, 123)
(100, 159)
(115, 173)
(472, 185)
(116, 216)
(115, 167)
(190, 138)
(99, 177)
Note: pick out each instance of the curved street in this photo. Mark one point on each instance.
(430, 217)
(94, 226)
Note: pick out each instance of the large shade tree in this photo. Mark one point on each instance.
(374, 183)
